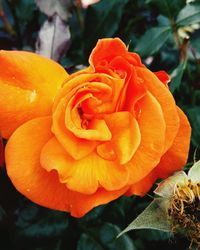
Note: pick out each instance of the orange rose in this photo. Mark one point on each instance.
(83, 140)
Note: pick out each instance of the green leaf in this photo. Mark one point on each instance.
(86, 242)
(194, 117)
(104, 237)
(168, 8)
(177, 76)
(102, 20)
(153, 217)
(25, 12)
(34, 222)
(188, 15)
(152, 40)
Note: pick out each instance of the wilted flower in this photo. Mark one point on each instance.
(177, 209)
(182, 193)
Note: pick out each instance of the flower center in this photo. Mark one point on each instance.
(184, 210)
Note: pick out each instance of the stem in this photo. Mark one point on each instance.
(175, 33)
(182, 46)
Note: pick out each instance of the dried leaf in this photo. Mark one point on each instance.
(54, 38)
(51, 7)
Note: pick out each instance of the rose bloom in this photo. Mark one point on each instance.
(81, 140)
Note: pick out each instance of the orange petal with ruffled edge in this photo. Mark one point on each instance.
(174, 159)
(23, 165)
(85, 175)
(152, 128)
(125, 140)
(109, 48)
(80, 204)
(74, 146)
(166, 100)
(33, 181)
(28, 85)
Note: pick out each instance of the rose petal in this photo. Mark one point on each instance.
(80, 204)
(43, 188)
(96, 129)
(125, 137)
(152, 129)
(74, 146)
(24, 169)
(84, 175)
(28, 85)
(115, 47)
(166, 100)
(174, 159)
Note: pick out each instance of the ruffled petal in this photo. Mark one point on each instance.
(143, 186)
(74, 146)
(80, 204)
(174, 159)
(166, 100)
(85, 175)
(109, 48)
(24, 169)
(33, 181)
(125, 137)
(100, 53)
(152, 128)
(28, 85)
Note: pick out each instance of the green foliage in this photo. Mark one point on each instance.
(167, 7)
(152, 40)
(190, 14)
(104, 237)
(102, 20)
(194, 117)
(177, 75)
(32, 224)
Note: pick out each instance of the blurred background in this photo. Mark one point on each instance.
(166, 34)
